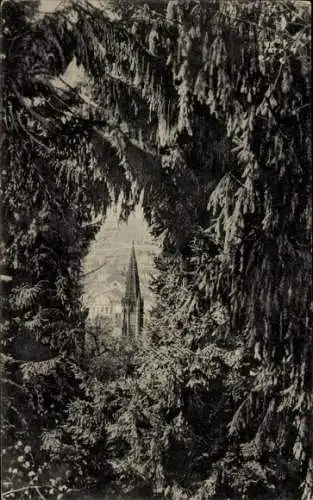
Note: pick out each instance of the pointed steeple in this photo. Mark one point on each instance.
(132, 301)
(132, 281)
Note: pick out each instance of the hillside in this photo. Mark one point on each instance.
(106, 265)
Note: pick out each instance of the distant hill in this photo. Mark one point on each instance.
(109, 257)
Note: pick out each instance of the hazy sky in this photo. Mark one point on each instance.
(50, 5)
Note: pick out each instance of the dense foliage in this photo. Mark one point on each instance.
(204, 108)
(51, 191)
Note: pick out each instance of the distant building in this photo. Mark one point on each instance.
(107, 305)
(132, 302)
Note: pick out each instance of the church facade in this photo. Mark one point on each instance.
(132, 303)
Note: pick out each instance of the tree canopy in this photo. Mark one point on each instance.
(203, 108)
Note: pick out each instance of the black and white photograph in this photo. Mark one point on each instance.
(156, 250)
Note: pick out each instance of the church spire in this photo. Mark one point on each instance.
(132, 302)
(132, 282)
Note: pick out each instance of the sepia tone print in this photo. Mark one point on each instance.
(156, 250)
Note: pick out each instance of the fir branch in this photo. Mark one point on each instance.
(26, 488)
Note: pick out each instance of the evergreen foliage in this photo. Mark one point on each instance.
(204, 108)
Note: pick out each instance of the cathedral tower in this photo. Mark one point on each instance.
(132, 302)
